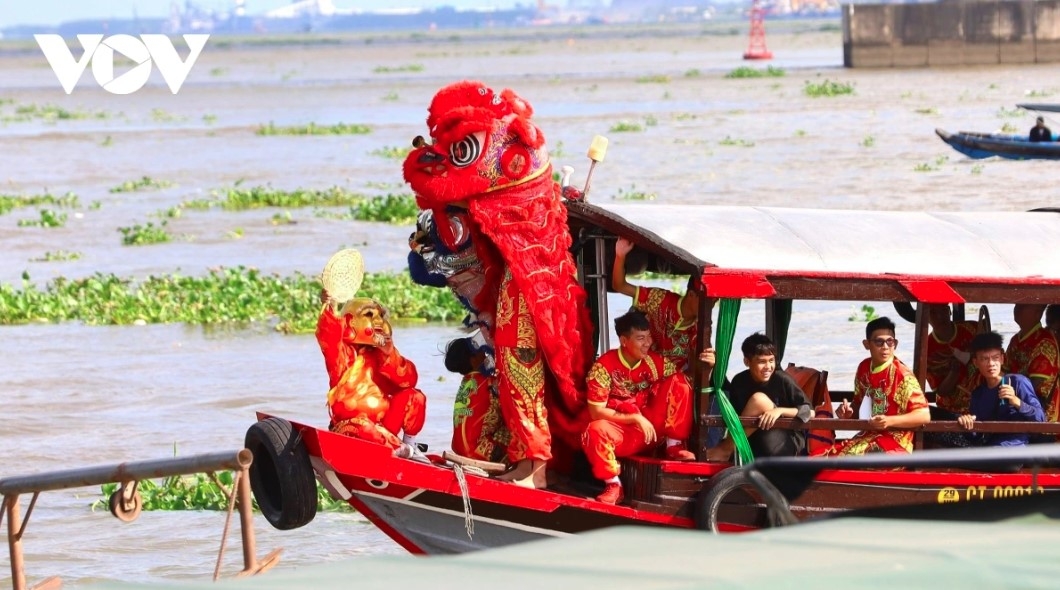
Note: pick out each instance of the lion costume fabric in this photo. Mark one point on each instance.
(485, 154)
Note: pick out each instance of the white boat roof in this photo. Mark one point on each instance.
(1001, 248)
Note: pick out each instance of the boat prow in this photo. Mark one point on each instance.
(1003, 145)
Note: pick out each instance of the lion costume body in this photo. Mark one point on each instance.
(486, 155)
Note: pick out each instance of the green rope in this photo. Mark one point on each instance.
(728, 313)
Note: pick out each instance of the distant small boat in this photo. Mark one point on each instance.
(1041, 107)
(1002, 145)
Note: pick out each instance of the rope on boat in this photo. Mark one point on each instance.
(461, 480)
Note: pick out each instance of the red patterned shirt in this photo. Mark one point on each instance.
(612, 380)
(1034, 355)
(940, 353)
(892, 390)
(672, 336)
(938, 366)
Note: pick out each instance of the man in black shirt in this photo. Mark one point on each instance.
(1040, 132)
(763, 392)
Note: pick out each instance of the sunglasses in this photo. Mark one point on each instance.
(881, 342)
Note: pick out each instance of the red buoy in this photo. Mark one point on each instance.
(757, 49)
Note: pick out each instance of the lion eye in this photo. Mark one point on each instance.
(464, 152)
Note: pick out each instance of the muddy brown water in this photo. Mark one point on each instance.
(76, 396)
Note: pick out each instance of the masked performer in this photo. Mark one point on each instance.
(485, 156)
(434, 263)
(373, 391)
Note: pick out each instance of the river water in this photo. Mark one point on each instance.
(76, 396)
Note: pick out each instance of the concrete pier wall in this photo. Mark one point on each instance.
(951, 33)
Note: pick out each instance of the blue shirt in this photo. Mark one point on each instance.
(986, 406)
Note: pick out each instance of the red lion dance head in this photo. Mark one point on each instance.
(485, 155)
(482, 141)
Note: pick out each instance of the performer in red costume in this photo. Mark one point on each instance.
(636, 397)
(373, 388)
(486, 155)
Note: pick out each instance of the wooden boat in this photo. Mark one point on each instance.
(772, 255)
(1002, 145)
(956, 545)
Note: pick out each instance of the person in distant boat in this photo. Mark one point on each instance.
(895, 394)
(1033, 353)
(478, 427)
(1000, 396)
(950, 373)
(1040, 132)
(672, 317)
(763, 392)
(635, 397)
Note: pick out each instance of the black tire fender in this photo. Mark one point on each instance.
(281, 475)
(709, 499)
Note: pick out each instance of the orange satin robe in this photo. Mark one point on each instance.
(373, 394)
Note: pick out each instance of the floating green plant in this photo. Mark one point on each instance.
(224, 295)
(164, 116)
(653, 79)
(398, 69)
(749, 72)
(735, 141)
(868, 141)
(11, 202)
(282, 219)
(143, 235)
(397, 209)
(47, 113)
(314, 129)
(199, 492)
(632, 194)
(48, 218)
(241, 199)
(392, 152)
(867, 313)
(57, 256)
(143, 183)
(626, 127)
(827, 88)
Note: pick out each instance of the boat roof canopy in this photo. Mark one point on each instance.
(791, 253)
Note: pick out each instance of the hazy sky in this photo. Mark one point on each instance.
(51, 12)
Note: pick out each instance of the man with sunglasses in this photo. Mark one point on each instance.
(895, 394)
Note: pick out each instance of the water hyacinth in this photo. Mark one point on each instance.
(224, 295)
(199, 492)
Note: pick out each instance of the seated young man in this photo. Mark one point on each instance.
(634, 395)
(897, 400)
(767, 394)
(1000, 396)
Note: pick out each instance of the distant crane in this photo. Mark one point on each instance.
(756, 48)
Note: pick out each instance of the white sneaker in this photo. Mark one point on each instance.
(406, 451)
